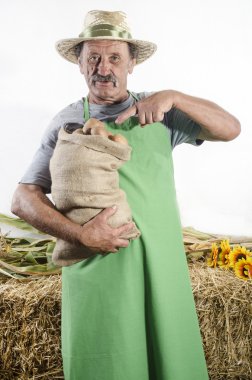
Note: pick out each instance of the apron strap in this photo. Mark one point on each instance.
(86, 114)
(133, 96)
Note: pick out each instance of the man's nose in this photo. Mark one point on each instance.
(104, 66)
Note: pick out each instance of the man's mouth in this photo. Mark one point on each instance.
(103, 79)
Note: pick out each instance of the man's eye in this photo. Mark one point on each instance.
(93, 59)
(114, 58)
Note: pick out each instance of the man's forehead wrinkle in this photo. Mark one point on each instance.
(104, 44)
(105, 49)
(98, 52)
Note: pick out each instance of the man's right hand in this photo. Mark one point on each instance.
(31, 204)
(99, 237)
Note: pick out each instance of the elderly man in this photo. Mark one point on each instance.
(128, 315)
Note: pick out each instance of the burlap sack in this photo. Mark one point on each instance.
(85, 180)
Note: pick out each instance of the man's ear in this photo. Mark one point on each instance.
(131, 66)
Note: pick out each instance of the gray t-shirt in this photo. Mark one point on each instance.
(180, 130)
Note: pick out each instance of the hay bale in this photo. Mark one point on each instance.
(224, 307)
(30, 325)
(30, 329)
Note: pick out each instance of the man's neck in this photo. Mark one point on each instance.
(107, 101)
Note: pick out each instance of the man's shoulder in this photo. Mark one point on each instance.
(141, 95)
(73, 113)
(73, 110)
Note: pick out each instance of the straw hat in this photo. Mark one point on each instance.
(104, 25)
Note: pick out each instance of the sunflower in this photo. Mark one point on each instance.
(243, 269)
(238, 253)
(224, 254)
(212, 261)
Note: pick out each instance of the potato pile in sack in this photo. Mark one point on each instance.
(85, 180)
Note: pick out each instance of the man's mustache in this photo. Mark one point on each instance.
(104, 78)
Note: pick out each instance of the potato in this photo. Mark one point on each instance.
(90, 124)
(100, 131)
(119, 138)
(96, 127)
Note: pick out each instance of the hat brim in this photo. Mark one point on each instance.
(66, 47)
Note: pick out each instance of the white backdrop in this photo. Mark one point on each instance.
(204, 49)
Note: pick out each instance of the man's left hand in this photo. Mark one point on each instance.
(150, 109)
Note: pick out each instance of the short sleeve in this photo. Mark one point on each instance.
(182, 128)
(38, 172)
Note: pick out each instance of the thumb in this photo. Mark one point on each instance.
(126, 114)
(108, 212)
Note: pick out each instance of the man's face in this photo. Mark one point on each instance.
(105, 65)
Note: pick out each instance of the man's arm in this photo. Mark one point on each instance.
(31, 204)
(216, 123)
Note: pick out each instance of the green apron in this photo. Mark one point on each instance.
(131, 315)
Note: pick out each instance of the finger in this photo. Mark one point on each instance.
(119, 243)
(158, 116)
(122, 243)
(125, 115)
(148, 118)
(124, 229)
(108, 212)
(142, 118)
(114, 250)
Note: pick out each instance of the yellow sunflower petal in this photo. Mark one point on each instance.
(224, 254)
(212, 261)
(243, 269)
(237, 254)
